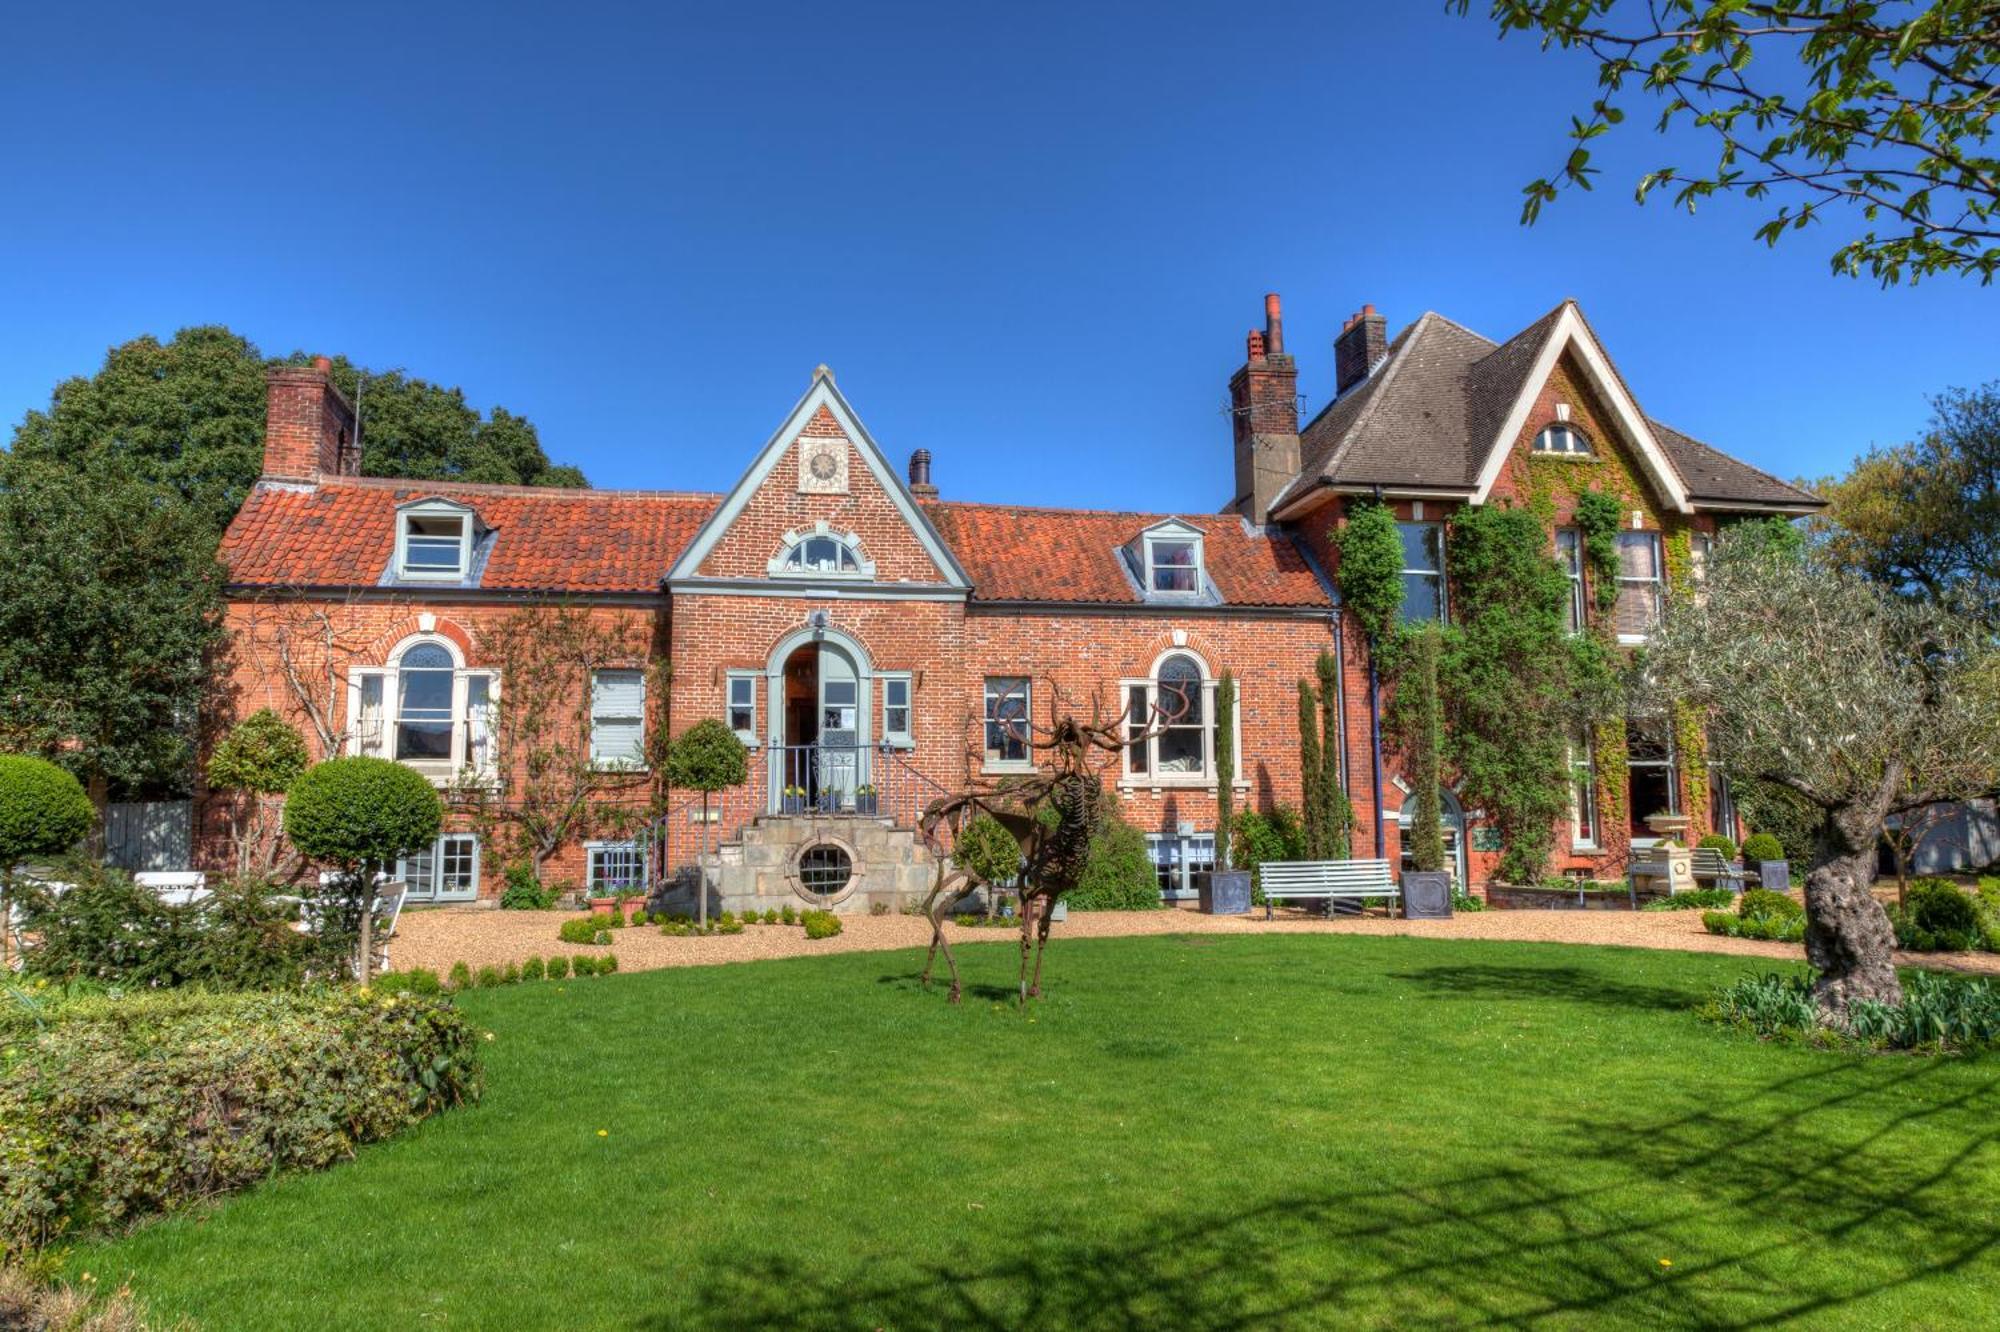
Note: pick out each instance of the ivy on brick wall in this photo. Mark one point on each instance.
(1597, 517)
(1371, 568)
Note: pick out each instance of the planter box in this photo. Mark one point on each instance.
(1536, 898)
(867, 805)
(793, 804)
(1426, 895)
(1224, 892)
(1775, 875)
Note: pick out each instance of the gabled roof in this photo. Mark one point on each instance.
(821, 396)
(1075, 555)
(1441, 414)
(342, 533)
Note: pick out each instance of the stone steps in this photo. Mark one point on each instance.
(759, 871)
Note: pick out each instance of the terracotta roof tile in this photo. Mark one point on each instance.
(1016, 554)
(344, 533)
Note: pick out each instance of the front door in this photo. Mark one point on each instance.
(840, 760)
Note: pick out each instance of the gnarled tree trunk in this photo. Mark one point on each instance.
(1848, 939)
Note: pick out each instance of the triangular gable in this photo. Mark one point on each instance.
(1570, 332)
(822, 396)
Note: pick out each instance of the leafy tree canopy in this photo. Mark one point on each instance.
(707, 757)
(1923, 517)
(189, 414)
(1878, 107)
(262, 753)
(110, 610)
(360, 814)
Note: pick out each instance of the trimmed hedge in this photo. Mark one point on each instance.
(115, 1110)
(43, 810)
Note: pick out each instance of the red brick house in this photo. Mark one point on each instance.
(870, 639)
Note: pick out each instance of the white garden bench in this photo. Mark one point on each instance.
(174, 887)
(1327, 880)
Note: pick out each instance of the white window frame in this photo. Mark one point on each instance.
(606, 763)
(435, 853)
(1575, 444)
(1658, 582)
(904, 738)
(1585, 821)
(1026, 763)
(433, 509)
(1153, 567)
(1145, 692)
(1570, 557)
(794, 542)
(1437, 575)
(464, 735)
(1174, 852)
(753, 683)
(593, 850)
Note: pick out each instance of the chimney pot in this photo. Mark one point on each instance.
(920, 475)
(1253, 343)
(1274, 324)
(323, 364)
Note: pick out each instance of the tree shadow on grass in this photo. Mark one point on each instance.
(1570, 984)
(941, 986)
(1792, 1201)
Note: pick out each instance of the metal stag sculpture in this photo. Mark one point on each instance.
(1054, 848)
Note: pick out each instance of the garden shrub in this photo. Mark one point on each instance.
(1718, 842)
(558, 967)
(112, 1110)
(1762, 903)
(1701, 899)
(105, 927)
(583, 964)
(1118, 874)
(585, 930)
(1762, 846)
(1938, 917)
(728, 925)
(607, 964)
(821, 924)
(487, 978)
(461, 976)
(1938, 1013)
(1464, 901)
(524, 892)
(511, 974)
(789, 915)
(359, 816)
(416, 980)
(32, 1303)
(771, 916)
(43, 810)
(533, 970)
(987, 851)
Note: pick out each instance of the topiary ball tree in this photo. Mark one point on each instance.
(1762, 846)
(987, 852)
(707, 757)
(359, 816)
(43, 812)
(262, 756)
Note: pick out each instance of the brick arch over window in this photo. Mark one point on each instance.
(418, 624)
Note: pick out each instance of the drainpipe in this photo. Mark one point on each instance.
(1375, 740)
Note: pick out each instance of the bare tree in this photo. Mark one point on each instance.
(1863, 704)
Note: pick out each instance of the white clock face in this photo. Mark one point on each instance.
(823, 467)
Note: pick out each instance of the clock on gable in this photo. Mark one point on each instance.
(822, 466)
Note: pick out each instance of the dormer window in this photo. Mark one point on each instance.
(821, 552)
(434, 542)
(1170, 561)
(1564, 440)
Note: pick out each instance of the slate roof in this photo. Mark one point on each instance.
(1428, 414)
(1022, 554)
(342, 532)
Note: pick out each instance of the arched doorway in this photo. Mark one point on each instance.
(819, 681)
(1451, 820)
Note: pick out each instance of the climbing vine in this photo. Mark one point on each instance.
(1597, 518)
(1416, 723)
(1371, 568)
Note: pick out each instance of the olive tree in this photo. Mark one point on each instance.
(360, 816)
(1860, 703)
(43, 812)
(707, 757)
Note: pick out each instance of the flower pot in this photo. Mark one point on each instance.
(603, 903)
(1775, 875)
(1223, 892)
(794, 804)
(867, 805)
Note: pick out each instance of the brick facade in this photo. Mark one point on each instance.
(943, 595)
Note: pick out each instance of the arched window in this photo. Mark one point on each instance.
(424, 709)
(1170, 723)
(821, 555)
(1563, 438)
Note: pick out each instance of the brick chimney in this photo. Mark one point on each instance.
(920, 475)
(308, 425)
(1363, 342)
(1264, 407)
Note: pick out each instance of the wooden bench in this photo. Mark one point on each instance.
(1327, 880)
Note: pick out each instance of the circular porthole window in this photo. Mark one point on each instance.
(824, 871)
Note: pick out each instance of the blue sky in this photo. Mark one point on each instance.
(1026, 237)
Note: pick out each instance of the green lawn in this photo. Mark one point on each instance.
(1190, 1132)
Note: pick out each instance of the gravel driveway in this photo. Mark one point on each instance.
(438, 937)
